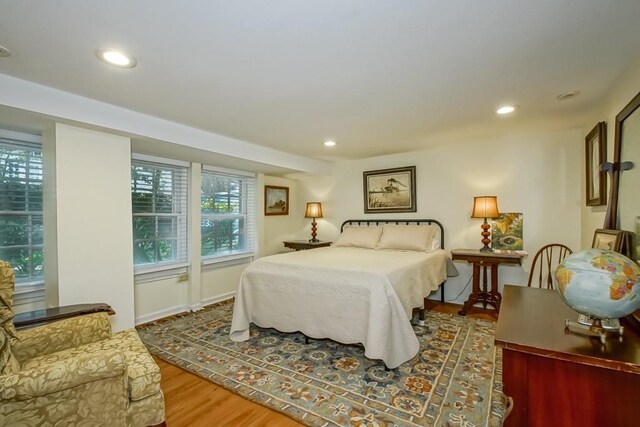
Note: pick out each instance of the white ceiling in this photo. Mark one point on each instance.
(379, 77)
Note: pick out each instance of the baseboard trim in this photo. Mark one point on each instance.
(182, 308)
(160, 314)
(218, 298)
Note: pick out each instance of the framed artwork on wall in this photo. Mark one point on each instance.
(595, 155)
(608, 239)
(276, 200)
(506, 232)
(390, 190)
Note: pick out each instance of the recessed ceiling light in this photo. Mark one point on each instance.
(4, 52)
(116, 58)
(329, 143)
(506, 109)
(568, 95)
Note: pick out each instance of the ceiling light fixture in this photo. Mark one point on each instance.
(117, 58)
(506, 109)
(329, 143)
(568, 95)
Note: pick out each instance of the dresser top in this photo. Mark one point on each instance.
(532, 321)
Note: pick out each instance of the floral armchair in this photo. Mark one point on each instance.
(74, 371)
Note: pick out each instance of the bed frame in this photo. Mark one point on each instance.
(377, 222)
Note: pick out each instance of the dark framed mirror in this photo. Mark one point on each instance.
(623, 211)
(624, 206)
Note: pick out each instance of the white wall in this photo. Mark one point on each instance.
(278, 228)
(536, 173)
(624, 89)
(89, 201)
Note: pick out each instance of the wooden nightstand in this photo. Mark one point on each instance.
(300, 245)
(483, 260)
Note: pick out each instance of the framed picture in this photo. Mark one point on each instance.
(390, 190)
(595, 155)
(506, 232)
(608, 239)
(276, 200)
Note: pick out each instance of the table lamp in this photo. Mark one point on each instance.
(314, 210)
(485, 207)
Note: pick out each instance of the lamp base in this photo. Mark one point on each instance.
(485, 236)
(313, 231)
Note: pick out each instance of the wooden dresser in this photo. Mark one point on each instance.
(559, 378)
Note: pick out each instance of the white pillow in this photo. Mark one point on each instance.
(359, 237)
(435, 244)
(407, 237)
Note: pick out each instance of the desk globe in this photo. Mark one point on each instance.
(600, 284)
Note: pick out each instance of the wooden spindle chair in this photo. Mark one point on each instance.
(543, 267)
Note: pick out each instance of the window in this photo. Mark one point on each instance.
(21, 231)
(228, 213)
(159, 202)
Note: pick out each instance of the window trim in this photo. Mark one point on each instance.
(19, 136)
(213, 263)
(160, 272)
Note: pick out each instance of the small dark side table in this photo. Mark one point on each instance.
(300, 245)
(481, 261)
(48, 315)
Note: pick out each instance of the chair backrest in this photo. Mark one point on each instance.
(543, 267)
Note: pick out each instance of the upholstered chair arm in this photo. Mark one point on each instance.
(62, 335)
(65, 374)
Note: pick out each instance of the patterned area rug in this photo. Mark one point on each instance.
(455, 379)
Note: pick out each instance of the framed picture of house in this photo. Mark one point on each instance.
(595, 155)
(390, 190)
(276, 200)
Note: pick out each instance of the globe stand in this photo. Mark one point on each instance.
(588, 325)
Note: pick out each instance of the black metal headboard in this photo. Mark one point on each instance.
(376, 222)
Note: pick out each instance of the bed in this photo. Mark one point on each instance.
(362, 289)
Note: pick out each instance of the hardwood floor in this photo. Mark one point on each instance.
(193, 401)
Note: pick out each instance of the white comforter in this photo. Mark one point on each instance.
(350, 295)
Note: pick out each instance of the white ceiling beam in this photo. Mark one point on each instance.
(25, 95)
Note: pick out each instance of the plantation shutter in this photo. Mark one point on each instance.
(228, 224)
(21, 226)
(159, 202)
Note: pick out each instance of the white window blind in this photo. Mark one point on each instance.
(159, 202)
(228, 223)
(21, 230)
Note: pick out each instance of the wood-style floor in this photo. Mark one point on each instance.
(193, 401)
